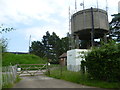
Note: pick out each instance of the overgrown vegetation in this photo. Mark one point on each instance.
(103, 63)
(103, 66)
(3, 41)
(78, 77)
(115, 27)
(10, 85)
(9, 58)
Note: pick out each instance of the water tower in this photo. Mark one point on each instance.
(88, 24)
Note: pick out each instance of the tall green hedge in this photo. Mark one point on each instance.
(103, 62)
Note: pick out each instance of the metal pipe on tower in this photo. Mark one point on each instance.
(82, 4)
(97, 4)
(69, 36)
(75, 6)
(119, 7)
(106, 7)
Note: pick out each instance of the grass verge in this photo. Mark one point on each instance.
(10, 85)
(9, 58)
(83, 79)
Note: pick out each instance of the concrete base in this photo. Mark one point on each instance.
(74, 68)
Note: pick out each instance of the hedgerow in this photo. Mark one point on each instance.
(103, 63)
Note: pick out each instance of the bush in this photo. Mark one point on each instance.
(103, 62)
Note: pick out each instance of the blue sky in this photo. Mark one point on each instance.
(35, 17)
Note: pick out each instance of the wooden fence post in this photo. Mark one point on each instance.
(61, 70)
(48, 69)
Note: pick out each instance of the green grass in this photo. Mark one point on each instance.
(17, 79)
(21, 59)
(79, 78)
(10, 85)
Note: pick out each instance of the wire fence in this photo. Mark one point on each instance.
(9, 74)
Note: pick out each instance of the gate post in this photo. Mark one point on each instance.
(48, 69)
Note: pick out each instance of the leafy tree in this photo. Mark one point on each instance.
(46, 44)
(115, 26)
(64, 44)
(6, 29)
(37, 48)
(4, 44)
(51, 47)
(54, 42)
(3, 41)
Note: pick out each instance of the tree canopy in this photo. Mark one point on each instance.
(5, 29)
(50, 47)
(115, 26)
(3, 41)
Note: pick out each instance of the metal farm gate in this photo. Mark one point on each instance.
(31, 69)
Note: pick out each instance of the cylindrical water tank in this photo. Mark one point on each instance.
(81, 23)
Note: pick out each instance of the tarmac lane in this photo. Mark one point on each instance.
(46, 82)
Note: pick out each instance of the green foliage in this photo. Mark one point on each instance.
(3, 41)
(83, 64)
(115, 26)
(37, 48)
(5, 29)
(115, 22)
(21, 59)
(80, 78)
(103, 62)
(51, 47)
(18, 79)
(3, 44)
(10, 85)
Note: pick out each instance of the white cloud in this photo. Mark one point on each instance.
(27, 11)
(23, 10)
(38, 32)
